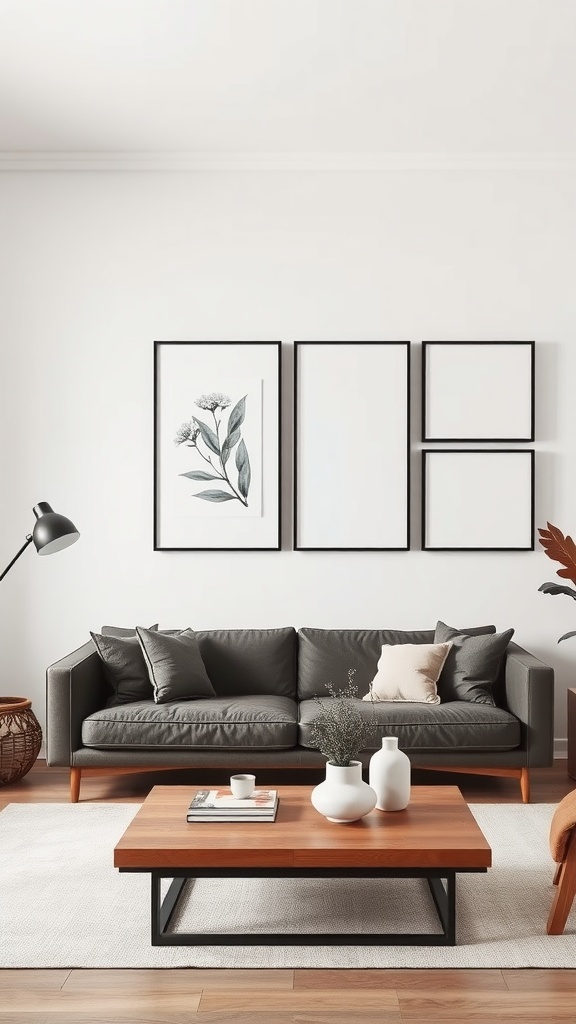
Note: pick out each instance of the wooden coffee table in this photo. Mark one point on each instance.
(434, 838)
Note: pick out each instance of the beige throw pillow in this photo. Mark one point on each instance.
(409, 672)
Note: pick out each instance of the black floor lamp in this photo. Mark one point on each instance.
(52, 532)
(20, 731)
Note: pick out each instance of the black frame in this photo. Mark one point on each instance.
(478, 451)
(297, 345)
(162, 910)
(484, 440)
(157, 347)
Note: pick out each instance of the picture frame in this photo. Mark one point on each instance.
(478, 499)
(478, 391)
(217, 455)
(352, 446)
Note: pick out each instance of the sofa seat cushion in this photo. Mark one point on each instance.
(429, 727)
(258, 722)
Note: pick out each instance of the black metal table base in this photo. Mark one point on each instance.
(444, 897)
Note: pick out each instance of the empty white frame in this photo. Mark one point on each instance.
(478, 500)
(351, 414)
(478, 390)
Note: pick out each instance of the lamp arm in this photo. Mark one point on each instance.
(17, 556)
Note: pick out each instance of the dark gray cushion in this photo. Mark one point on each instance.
(256, 723)
(122, 631)
(250, 661)
(458, 725)
(472, 666)
(325, 655)
(175, 665)
(124, 668)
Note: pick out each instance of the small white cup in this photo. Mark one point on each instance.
(242, 786)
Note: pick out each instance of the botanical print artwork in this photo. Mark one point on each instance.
(215, 444)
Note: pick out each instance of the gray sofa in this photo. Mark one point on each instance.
(266, 681)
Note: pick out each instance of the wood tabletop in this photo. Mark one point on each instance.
(437, 829)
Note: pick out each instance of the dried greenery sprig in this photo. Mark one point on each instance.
(340, 731)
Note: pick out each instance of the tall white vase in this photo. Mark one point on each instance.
(343, 796)
(390, 776)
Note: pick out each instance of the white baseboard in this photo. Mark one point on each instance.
(560, 748)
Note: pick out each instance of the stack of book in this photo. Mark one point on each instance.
(220, 805)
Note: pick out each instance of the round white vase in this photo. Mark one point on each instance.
(343, 796)
(390, 776)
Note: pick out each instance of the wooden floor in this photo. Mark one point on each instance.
(278, 996)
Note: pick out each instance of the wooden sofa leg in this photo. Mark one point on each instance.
(75, 779)
(525, 785)
(557, 874)
(566, 888)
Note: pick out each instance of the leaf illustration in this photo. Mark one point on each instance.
(560, 549)
(237, 415)
(567, 636)
(555, 588)
(208, 436)
(214, 496)
(243, 467)
(199, 474)
(229, 442)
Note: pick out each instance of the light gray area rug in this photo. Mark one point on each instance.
(63, 904)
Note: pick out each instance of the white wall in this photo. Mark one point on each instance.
(95, 266)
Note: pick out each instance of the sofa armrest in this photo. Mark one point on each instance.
(529, 690)
(75, 688)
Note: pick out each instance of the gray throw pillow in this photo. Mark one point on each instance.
(175, 665)
(124, 668)
(472, 666)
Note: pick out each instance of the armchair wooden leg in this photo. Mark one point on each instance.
(566, 888)
(557, 874)
(525, 785)
(75, 780)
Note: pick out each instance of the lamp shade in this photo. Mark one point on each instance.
(52, 532)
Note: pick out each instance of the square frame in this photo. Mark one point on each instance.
(246, 471)
(450, 406)
(335, 427)
(454, 492)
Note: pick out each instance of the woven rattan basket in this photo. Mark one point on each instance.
(20, 738)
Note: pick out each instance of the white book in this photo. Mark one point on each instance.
(221, 818)
(215, 802)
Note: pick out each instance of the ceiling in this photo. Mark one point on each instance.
(288, 76)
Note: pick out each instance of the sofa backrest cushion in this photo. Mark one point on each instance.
(122, 631)
(326, 655)
(250, 661)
